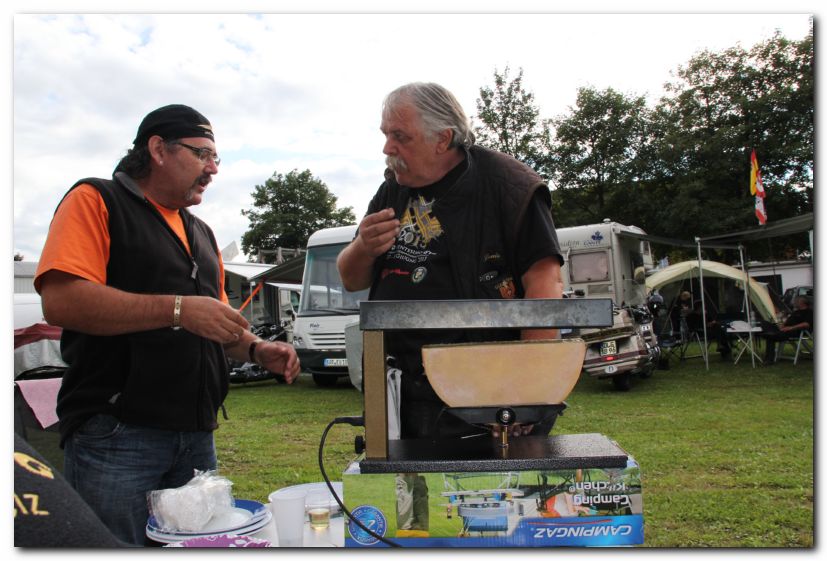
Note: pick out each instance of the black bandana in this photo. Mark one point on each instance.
(173, 122)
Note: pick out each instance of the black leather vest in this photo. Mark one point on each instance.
(481, 215)
(161, 378)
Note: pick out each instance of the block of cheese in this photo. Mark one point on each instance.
(504, 373)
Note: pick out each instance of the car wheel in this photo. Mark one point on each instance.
(621, 382)
(324, 381)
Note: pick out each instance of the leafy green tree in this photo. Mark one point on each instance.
(510, 121)
(680, 169)
(721, 107)
(287, 209)
(597, 155)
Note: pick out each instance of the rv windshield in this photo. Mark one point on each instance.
(322, 290)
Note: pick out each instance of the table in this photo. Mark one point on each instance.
(741, 331)
(332, 536)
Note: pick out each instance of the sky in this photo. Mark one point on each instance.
(289, 91)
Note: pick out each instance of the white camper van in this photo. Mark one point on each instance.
(325, 308)
(610, 260)
(607, 260)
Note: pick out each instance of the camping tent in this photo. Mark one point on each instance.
(759, 296)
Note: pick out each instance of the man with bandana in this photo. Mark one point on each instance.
(137, 284)
(451, 221)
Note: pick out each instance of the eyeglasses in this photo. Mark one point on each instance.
(204, 154)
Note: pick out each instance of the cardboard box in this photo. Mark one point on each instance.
(535, 508)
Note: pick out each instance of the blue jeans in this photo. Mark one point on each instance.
(113, 466)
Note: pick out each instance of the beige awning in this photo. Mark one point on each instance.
(758, 294)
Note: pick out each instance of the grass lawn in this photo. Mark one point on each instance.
(726, 455)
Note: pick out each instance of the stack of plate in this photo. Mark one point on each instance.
(245, 518)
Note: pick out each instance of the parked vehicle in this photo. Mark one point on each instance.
(610, 260)
(792, 293)
(27, 309)
(628, 348)
(325, 308)
(286, 304)
(243, 372)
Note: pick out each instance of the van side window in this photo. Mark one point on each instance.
(589, 267)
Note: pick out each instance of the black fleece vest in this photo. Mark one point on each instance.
(162, 378)
(481, 215)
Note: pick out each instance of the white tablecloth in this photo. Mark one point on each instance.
(332, 536)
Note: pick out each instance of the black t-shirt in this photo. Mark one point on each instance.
(799, 315)
(418, 267)
(47, 511)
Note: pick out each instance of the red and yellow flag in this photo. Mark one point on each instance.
(756, 187)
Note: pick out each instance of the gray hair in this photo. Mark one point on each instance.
(438, 109)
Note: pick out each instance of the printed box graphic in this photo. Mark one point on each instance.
(536, 508)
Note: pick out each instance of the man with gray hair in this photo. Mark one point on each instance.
(452, 220)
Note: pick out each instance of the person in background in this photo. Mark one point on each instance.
(681, 307)
(412, 515)
(452, 220)
(137, 284)
(800, 319)
(715, 331)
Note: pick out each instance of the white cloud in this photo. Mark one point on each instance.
(303, 91)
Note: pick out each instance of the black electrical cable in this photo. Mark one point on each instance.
(356, 422)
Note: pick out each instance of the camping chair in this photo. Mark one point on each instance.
(689, 336)
(803, 344)
(669, 341)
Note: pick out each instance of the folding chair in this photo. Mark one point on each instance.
(803, 344)
(689, 336)
(669, 341)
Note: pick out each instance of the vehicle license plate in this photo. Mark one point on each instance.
(608, 348)
(335, 362)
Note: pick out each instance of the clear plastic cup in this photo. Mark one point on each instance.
(288, 510)
(318, 509)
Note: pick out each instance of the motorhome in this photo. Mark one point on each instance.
(606, 260)
(610, 260)
(325, 308)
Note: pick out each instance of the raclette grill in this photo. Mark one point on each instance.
(485, 384)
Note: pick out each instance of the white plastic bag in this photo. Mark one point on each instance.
(190, 507)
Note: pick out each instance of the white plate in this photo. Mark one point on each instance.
(227, 518)
(309, 487)
(245, 513)
(252, 528)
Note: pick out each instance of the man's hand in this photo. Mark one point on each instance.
(212, 319)
(279, 358)
(377, 232)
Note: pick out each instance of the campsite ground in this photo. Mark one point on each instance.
(726, 455)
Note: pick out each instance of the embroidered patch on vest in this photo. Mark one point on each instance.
(419, 274)
(506, 288)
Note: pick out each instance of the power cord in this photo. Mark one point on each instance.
(355, 422)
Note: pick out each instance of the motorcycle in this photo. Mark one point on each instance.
(243, 372)
(629, 347)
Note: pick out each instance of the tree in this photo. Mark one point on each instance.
(287, 209)
(19, 257)
(510, 121)
(722, 106)
(598, 155)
